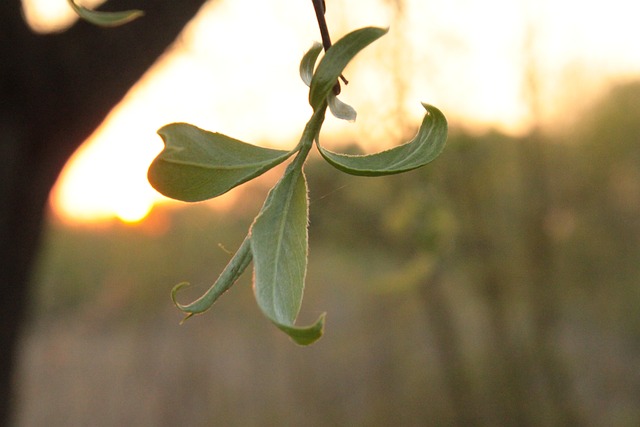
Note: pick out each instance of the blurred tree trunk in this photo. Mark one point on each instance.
(457, 385)
(544, 295)
(508, 401)
(54, 92)
(486, 257)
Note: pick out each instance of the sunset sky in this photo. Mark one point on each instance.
(235, 71)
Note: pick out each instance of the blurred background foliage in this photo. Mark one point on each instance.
(497, 286)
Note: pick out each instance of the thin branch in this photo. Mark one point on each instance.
(320, 8)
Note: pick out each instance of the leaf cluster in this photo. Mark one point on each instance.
(197, 165)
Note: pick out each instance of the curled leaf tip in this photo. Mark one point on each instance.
(174, 293)
(304, 335)
(428, 107)
(187, 317)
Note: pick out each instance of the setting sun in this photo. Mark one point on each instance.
(106, 178)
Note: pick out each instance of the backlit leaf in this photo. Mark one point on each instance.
(197, 165)
(338, 108)
(425, 147)
(336, 59)
(308, 63)
(341, 110)
(279, 245)
(227, 278)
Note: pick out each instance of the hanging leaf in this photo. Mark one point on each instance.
(308, 63)
(279, 246)
(227, 278)
(105, 19)
(425, 147)
(336, 59)
(197, 165)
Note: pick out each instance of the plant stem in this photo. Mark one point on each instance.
(310, 133)
(320, 8)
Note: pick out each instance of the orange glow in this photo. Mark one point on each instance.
(106, 178)
(236, 72)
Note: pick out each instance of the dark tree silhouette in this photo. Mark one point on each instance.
(54, 91)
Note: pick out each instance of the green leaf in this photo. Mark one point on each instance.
(425, 147)
(336, 59)
(105, 19)
(341, 110)
(227, 278)
(308, 63)
(279, 246)
(305, 335)
(338, 108)
(197, 165)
